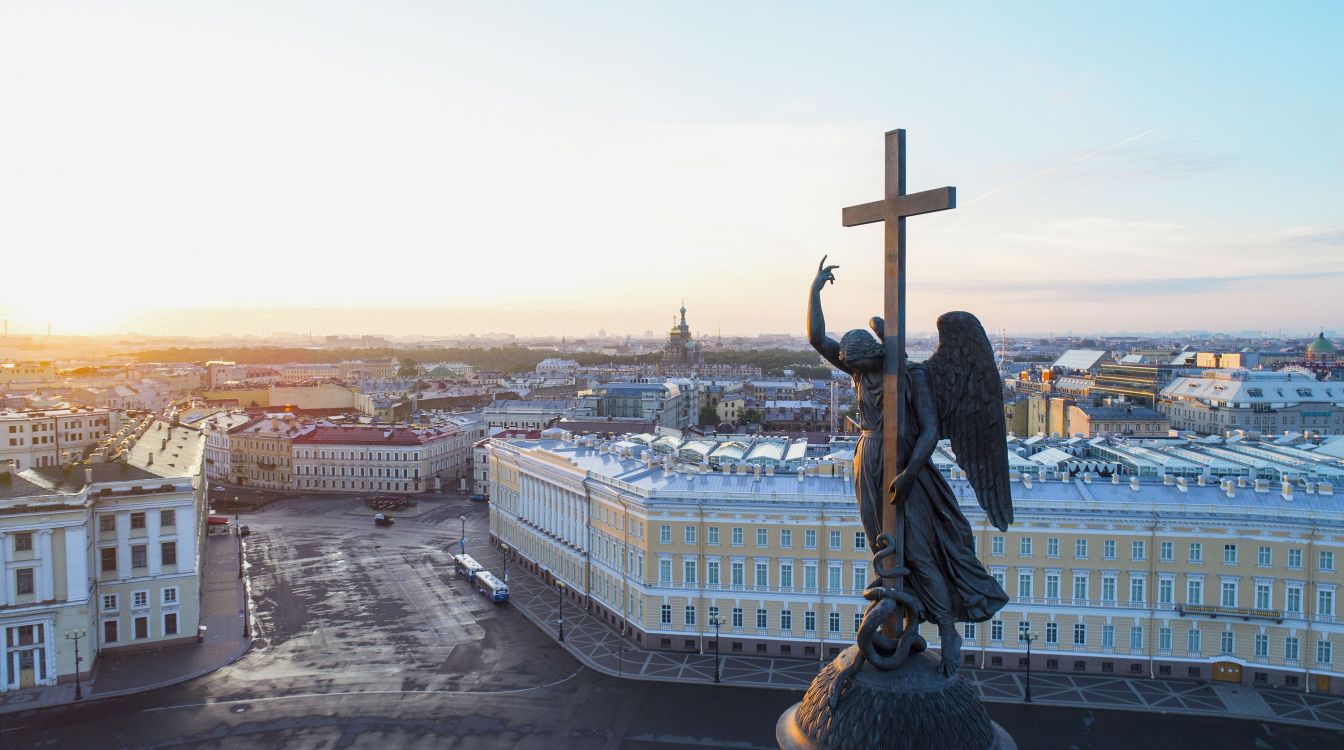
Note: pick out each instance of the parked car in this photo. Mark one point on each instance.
(479, 498)
(244, 531)
(382, 519)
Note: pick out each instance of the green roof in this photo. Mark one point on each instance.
(1321, 345)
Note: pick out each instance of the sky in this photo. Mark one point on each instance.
(427, 168)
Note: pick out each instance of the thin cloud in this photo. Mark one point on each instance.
(1049, 170)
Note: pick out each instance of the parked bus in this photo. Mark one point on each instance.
(492, 587)
(467, 567)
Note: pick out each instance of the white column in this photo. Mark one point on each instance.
(46, 583)
(154, 552)
(76, 564)
(123, 544)
(6, 591)
(187, 542)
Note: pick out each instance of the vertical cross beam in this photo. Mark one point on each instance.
(893, 313)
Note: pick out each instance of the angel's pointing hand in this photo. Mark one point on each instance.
(824, 274)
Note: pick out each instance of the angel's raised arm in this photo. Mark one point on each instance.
(826, 346)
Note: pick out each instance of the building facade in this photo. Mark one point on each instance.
(50, 437)
(1219, 401)
(1164, 579)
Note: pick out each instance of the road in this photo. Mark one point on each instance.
(366, 639)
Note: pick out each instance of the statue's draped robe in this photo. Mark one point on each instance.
(945, 574)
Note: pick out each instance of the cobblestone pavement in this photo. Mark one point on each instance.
(597, 643)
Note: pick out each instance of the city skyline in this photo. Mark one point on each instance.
(441, 169)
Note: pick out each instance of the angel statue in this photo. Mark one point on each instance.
(955, 394)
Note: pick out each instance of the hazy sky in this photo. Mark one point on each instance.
(557, 167)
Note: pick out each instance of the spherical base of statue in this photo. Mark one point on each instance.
(914, 707)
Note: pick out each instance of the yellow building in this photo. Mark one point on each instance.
(1164, 579)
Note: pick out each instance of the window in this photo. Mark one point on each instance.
(169, 552)
(858, 621)
(1079, 634)
(170, 623)
(712, 572)
(140, 599)
(761, 619)
(860, 579)
(1052, 632)
(665, 615)
(141, 627)
(1052, 586)
(1228, 642)
(664, 571)
(1324, 653)
(170, 595)
(1229, 554)
(810, 539)
(996, 630)
(810, 621)
(834, 539)
(1136, 637)
(713, 535)
(1137, 593)
(1292, 599)
(762, 538)
(1292, 649)
(23, 581)
(1164, 639)
(833, 578)
(688, 571)
(810, 576)
(1107, 588)
(1295, 558)
(1165, 591)
(1326, 562)
(1108, 549)
(996, 545)
(1167, 550)
(1262, 596)
(1024, 546)
(1108, 636)
(860, 540)
(1080, 549)
(738, 572)
(1196, 552)
(1052, 547)
(689, 535)
(786, 575)
(1325, 602)
(737, 536)
(1023, 585)
(1229, 594)
(968, 631)
(1080, 586)
(107, 522)
(762, 574)
(23, 541)
(138, 520)
(1261, 645)
(1264, 556)
(168, 517)
(110, 631)
(665, 534)
(1192, 640)
(1137, 550)
(786, 538)
(689, 615)
(786, 620)
(109, 601)
(108, 556)
(1194, 591)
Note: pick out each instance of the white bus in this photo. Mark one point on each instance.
(492, 587)
(467, 567)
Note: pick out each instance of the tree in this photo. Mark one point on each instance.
(409, 368)
(749, 416)
(708, 415)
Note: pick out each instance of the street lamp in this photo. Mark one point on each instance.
(716, 622)
(560, 589)
(75, 635)
(463, 541)
(504, 550)
(1027, 636)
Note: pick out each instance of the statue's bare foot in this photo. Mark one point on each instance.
(951, 650)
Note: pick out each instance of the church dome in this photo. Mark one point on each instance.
(1321, 345)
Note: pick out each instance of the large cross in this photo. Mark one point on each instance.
(892, 210)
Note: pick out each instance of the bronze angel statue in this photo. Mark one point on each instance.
(956, 394)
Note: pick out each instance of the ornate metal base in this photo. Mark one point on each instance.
(914, 707)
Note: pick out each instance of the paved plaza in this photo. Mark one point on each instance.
(365, 638)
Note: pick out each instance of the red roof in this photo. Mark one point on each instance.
(361, 435)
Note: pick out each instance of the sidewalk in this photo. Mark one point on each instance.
(596, 644)
(120, 674)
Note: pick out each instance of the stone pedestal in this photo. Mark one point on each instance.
(914, 707)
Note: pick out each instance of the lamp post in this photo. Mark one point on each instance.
(504, 550)
(463, 541)
(238, 529)
(1027, 637)
(560, 588)
(716, 622)
(75, 635)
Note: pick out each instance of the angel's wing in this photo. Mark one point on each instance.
(966, 387)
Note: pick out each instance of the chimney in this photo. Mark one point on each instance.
(1261, 485)
(1168, 479)
(1286, 490)
(88, 476)
(1115, 477)
(1180, 484)
(1325, 488)
(1087, 477)
(1134, 483)
(1026, 481)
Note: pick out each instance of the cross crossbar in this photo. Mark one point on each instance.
(914, 204)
